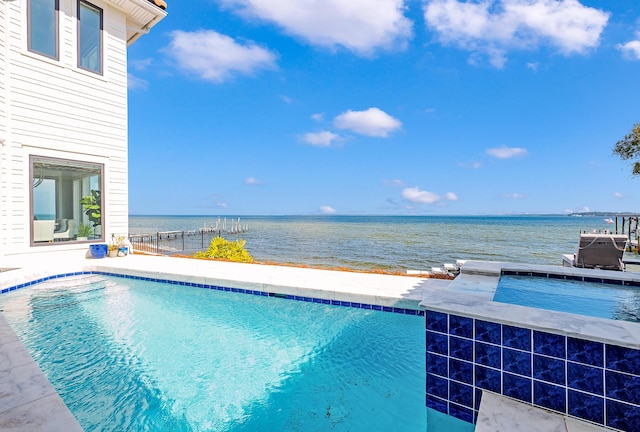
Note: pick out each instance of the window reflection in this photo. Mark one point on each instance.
(66, 200)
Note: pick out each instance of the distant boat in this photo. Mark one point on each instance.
(609, 220)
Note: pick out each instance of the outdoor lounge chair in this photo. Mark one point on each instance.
(65, 228)
(43, 230)
(603, 251)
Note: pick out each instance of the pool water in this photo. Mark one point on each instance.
(136, 355)
(585, 298)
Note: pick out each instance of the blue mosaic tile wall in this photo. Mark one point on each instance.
(594, 381)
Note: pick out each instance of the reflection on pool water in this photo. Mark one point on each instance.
(137, 355)
(585, 298)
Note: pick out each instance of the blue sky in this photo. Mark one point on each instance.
(432, 107)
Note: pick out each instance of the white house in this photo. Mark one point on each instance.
(63, 118)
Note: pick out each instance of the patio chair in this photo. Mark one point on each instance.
(602, 251)
(43, 230)
(64, 232)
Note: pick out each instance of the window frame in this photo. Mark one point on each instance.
(61, 163)
(89, 5)
(56, 31)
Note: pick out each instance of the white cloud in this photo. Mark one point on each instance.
(134, 83)
(222, 204)
(617, 195)
(252, 181)
(371, 122)
(327, 210)
(216, 57)
(631, 49)
(394, 183)
(361, 26)
(415, 195)
(533, 66)
(320, 139)
(140, 64)
(515, 195)
(506, 152)
(286, 99)
(493, 27)
(317, 117)
(451, 196)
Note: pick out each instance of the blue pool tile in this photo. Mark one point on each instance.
(408, 311)
(518, 362)
(549, 344)
(461, 394)
(461, 371)
(516, 337)
(488, 379)
(487, 331)
(461, 348)
(461, 413)
(586, 406)
(623, 359)
(437, 343)
(517, 387)
(377, 307)
(398, 310)
(550, 396)
(387, 309)
(317, 300)
(584, 351)
(437, 386)
(345, 303)
(488, 355)
(461, 326)
(437, 364)
(437, 404)
(593, 279)
(549, 369)
(623, 416)
(623, 387)
(585, 378)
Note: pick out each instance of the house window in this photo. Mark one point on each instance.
(43, 27)
(89, 37)
(66, 201)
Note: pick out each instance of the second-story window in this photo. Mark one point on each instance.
(43, 27)
(89, 37)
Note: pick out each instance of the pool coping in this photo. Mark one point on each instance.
(471, 292)
(398, 293)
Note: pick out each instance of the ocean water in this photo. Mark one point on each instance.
(394, 243)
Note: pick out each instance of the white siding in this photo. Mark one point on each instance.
(51, 108)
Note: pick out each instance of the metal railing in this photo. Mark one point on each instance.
(174, 242)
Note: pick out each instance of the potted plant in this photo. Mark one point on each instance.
(92, 209)
(84, 231)
(113, 250)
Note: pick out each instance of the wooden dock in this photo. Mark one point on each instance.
(188, 241)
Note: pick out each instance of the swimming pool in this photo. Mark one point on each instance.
(597, 299)
(128, 354)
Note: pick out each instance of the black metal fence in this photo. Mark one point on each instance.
(173, 242)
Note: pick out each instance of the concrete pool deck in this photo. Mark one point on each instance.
(28, 402)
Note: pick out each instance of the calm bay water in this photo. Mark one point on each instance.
(394, 242)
